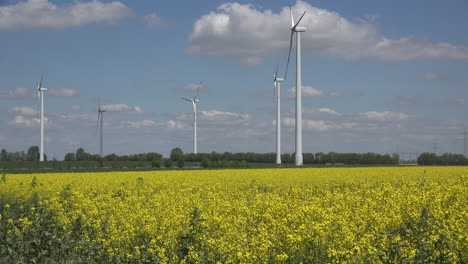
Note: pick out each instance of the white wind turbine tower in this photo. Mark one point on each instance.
(277, 83)
(296, 29)
(100, 125)
(194, 101)
(40, 94)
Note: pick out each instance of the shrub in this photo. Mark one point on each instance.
(156, 163)
(168, 163)
(180, 162)
(205, 163)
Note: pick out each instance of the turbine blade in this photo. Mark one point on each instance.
(276, 73)
(299, 20)
(186, 99)
(196, 94)
(290, 12)
(289, 55)
(40, 83)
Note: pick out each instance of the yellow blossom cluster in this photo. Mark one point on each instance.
(333, 215)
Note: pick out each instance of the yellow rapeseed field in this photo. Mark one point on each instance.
(329, 215)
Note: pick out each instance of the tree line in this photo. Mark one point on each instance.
(31, 155)
(308, 158)
(178, 156)
(444, 159)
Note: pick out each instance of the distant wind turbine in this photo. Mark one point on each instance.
(296, 29)
(277, 83)
(194, 101)
(100, 125)
(40, 97)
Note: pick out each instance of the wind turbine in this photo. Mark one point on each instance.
(100, 126)
(40, 97)
(277, 83)
(297, 29)
(194, 101)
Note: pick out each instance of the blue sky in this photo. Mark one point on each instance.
(378, 76)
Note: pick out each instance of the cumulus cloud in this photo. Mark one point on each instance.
(385, 116)
(18, 93)
(63, 92)
(122, 108)
(154, 21)
(26, 111)
(318, 125)
(243, 30)
(215, 115)
(173, 124)
(20, 120)
(140, 124)
(45, 14)
(251, 61)
(309, 91)
(324, 111)
(329, 111)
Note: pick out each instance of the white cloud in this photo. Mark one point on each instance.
(140, 124)
(44, 14)
(215, 115)
(17, 93)
(75, 107)
(243, 30)
(63, 92)
(329, 111)
(173, 124)
(122, 108)
(309, 91)
(20, 120)
(317, 125)
(385, 116)
(324, 111)
(27, 111)
(154, 21)
(251, 61)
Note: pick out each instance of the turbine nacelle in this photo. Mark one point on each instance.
(300, 29)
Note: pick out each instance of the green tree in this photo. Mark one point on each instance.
(33, 153)
(156, 163)
(176, 154)
(69, 156)
(4, 156)
(180, 162)
(205, 163)
(80, 154)
(168, 163)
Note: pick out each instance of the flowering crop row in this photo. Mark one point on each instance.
(353, 215)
